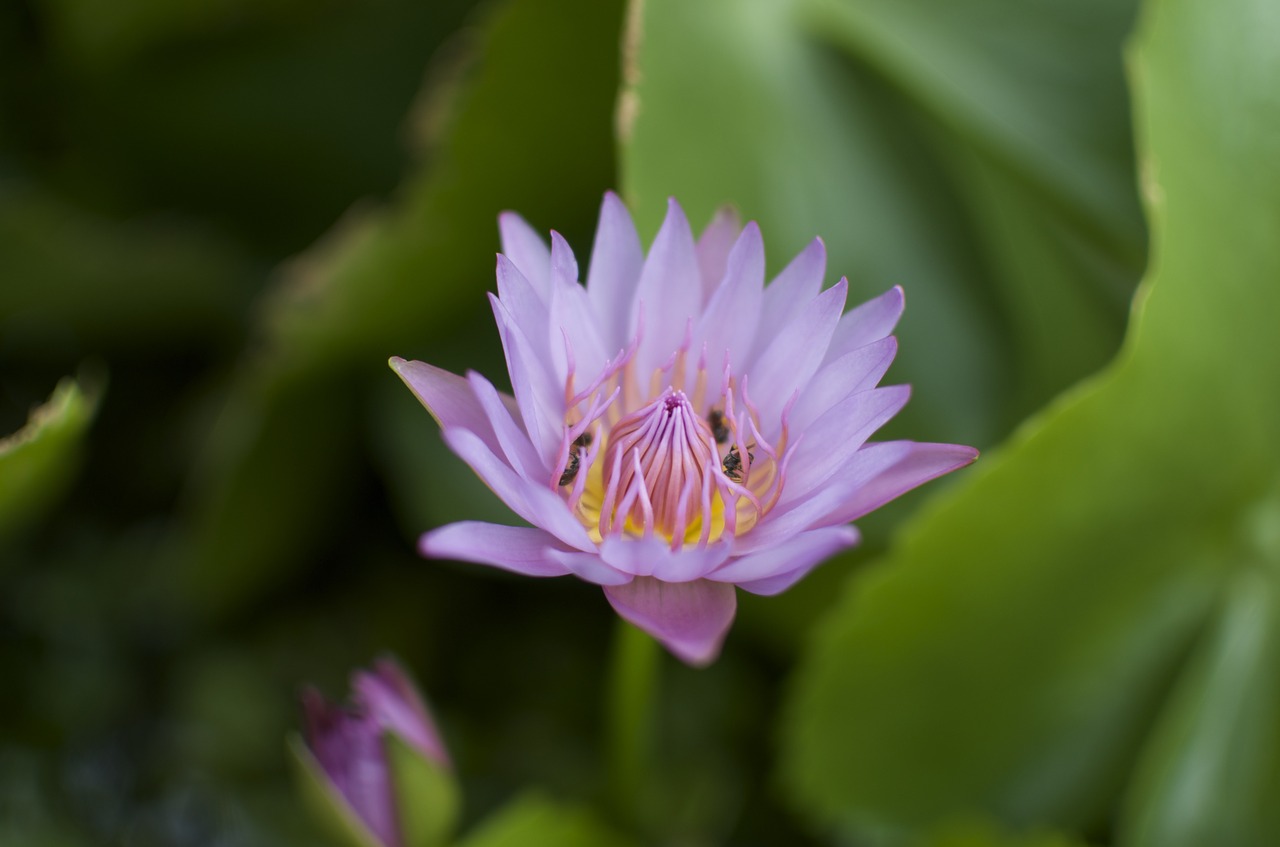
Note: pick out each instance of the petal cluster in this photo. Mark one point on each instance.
(678, 427)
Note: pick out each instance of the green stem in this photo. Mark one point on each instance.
(632, 700)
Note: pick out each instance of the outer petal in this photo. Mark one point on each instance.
(729, 323)
(520, 549)
(869, 322)
(448, 397)
(799, 282)
(788, 520)
(616, 260)
(654, 557)
(832, 440)
(390, 698)
(669, 292)
(690, 619)
(921, 463)
(854, 372)
(527, 250)
(791, 359)
(591, 568)
(531, 501)
(713, 248)
(776, 569)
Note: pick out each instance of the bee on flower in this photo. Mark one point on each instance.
(678, 429)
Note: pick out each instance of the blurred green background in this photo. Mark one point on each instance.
(219, 218)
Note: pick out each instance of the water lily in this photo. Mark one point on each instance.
(678, 428)
(362, 752)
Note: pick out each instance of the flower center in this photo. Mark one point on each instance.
(658, 468)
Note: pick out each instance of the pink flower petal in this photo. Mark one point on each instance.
(520, 549)
(591, 568)
(789, 520)
(669, 291)
(616, 260)
(538, 505)
(854, 372)
(799, 282)
(654, 557)
(776, 569)
(527, 250)
(540, 400)
(513, 441)
(795, 353)
(690, 619)
(390, 698)
(833, 439)
(527, 308)
(869, 322)
(713, 248)
(448, 397)
(922, 462)
(729, 323)
(572, 317)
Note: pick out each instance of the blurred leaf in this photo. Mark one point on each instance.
(37, 462)
(396, 280)
(80, 281)
(981, 834)
(534, 819)
(1210, 773)
(427, 795)
(986, 168)
(1011, 655)
(331, 811)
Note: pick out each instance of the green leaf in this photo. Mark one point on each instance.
(427, 795)
(1211, 771)
(1011, 655)
(534, 819)
(987, 169)
(37, 463)
(974, 833)
(332, 812)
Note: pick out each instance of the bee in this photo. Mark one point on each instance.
(733, 463)
(715, 419)
(580, 443)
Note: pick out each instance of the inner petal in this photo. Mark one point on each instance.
(657, 465)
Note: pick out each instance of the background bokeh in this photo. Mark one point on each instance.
(219, 218)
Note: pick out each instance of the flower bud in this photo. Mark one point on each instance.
(377, 769)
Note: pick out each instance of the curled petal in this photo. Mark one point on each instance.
(776, 569)
(854, 372)
(690, 619)
(519, 549)
(729, 323)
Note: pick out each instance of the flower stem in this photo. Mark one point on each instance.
(630, 715)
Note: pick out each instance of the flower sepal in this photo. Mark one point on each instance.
(427, 794)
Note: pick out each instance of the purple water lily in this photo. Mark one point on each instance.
(678, 427)
(349, 743)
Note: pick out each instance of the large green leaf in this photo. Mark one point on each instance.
(1012, 653)
(36, 463)
(987, 169)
